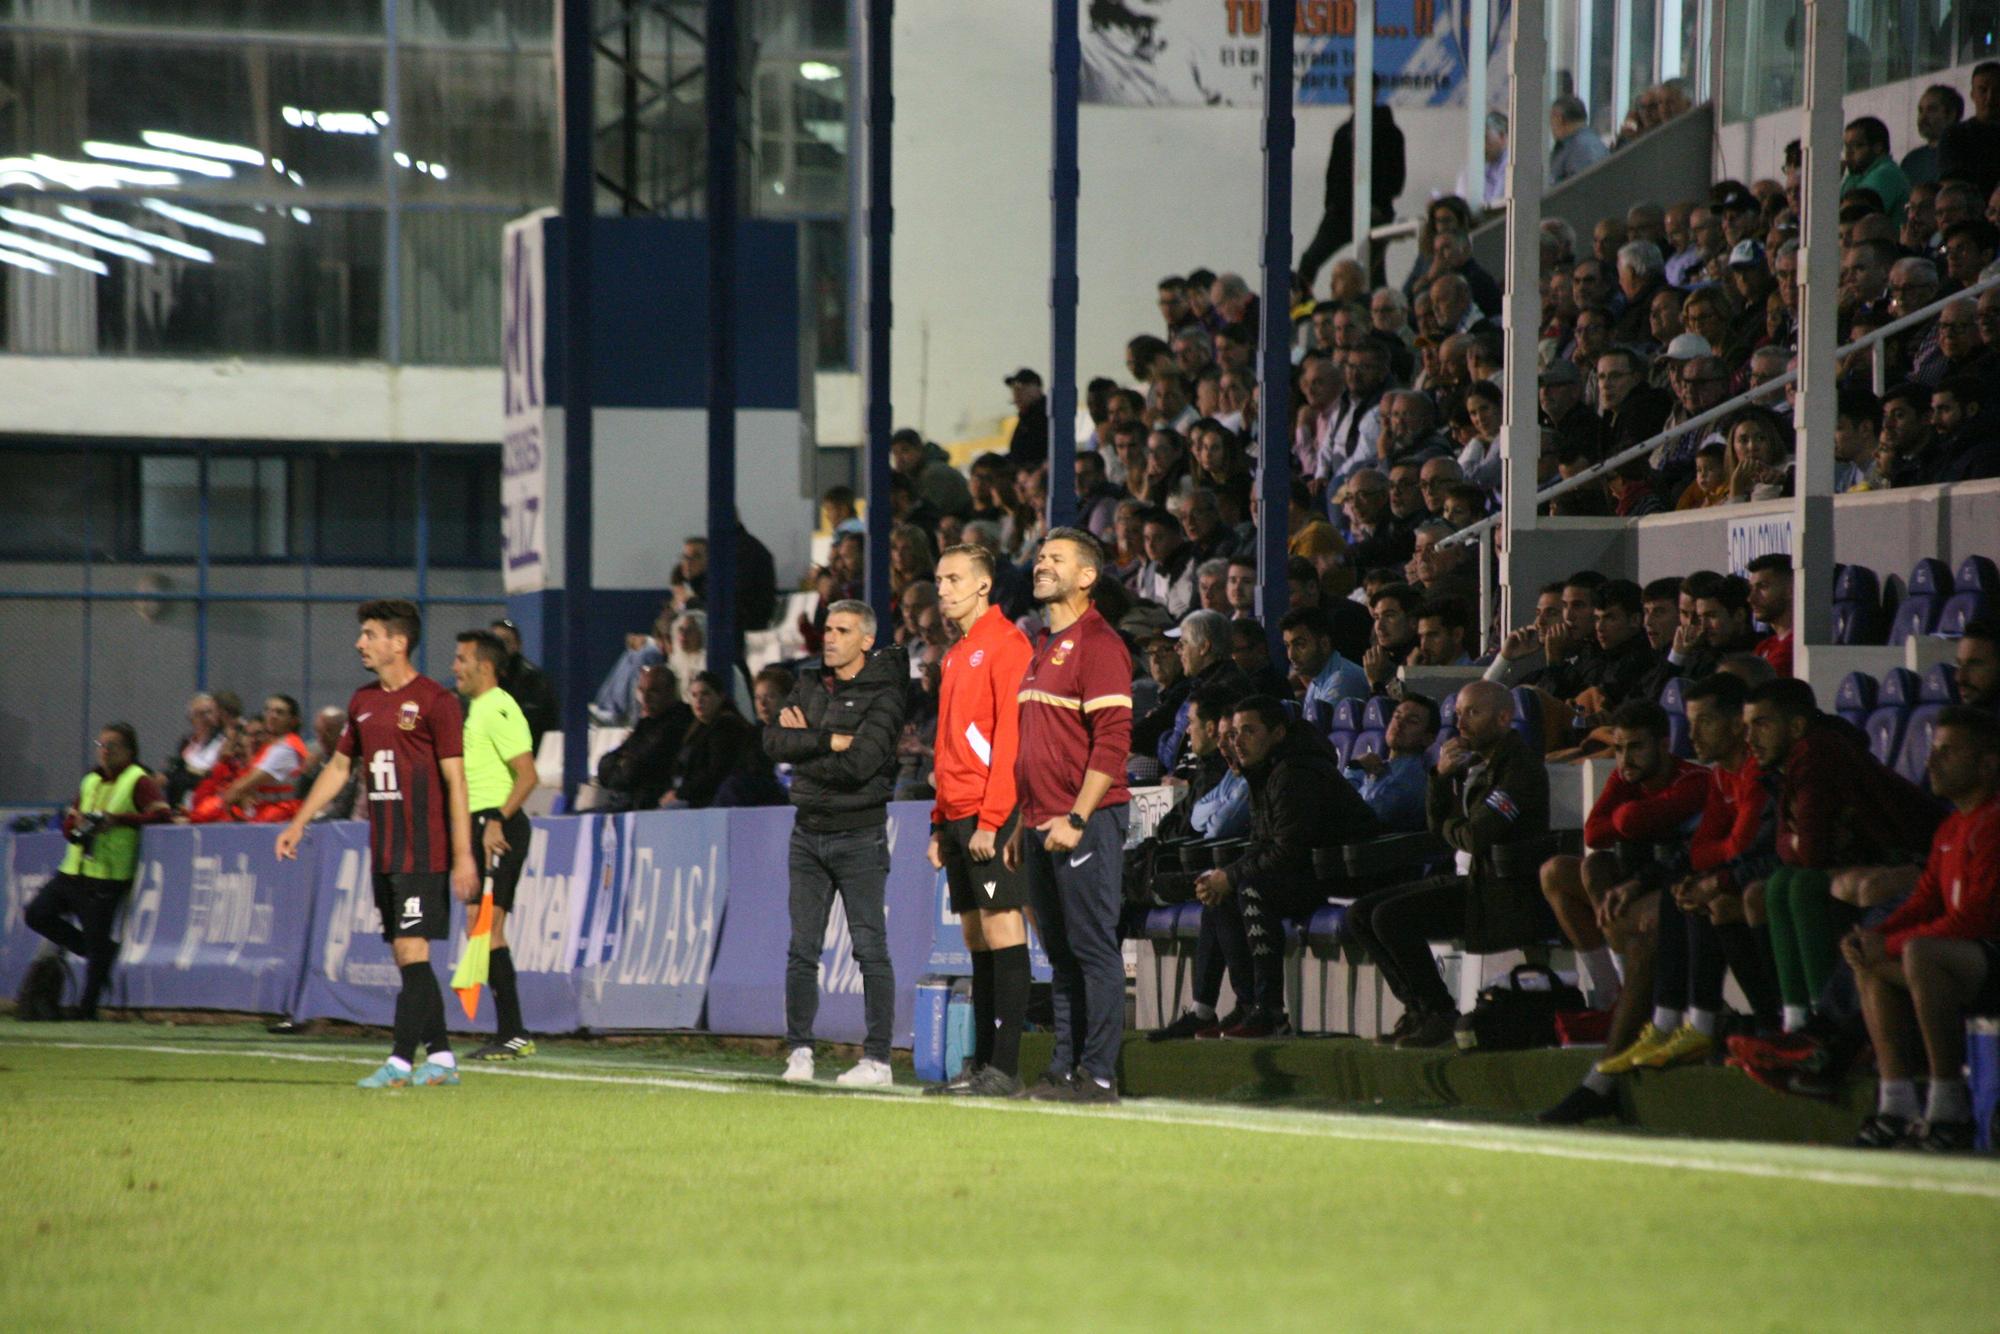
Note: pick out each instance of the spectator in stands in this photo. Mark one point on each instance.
(1127, 548)
(1904, 453)
(839, 511)
(1865, 155)
(1203, 642)
(1631, 410)
(77, 909)
(205, 803)
(1771, 604)
(1940, 108)
(937, 483)
(756, 601)
(1320, 674)
(1444, 626)
(1967, 441)
(1240, 587)
(530, 685)
(1979, 665)
(1567, 422)
(1641, 275)
(1969, 151)
(1298, 802)
(1857, 424)
(1250, 650)
(910, 558)
(1837, 806)
(1703, 384)
(719, 763)
(1097, 497)
(1489, 789)
(1163, 663)
(1759, 455)
(1440, 571)
(328, 724)
(638, 774)
(1936, 955)
(1028, 447)
(1969, 247)
(267, 790)
(1576, 144)
(616, 702)
(1169, 575)
(1352, 426)
(1394, 782)
(198, 751)
(1395, 610)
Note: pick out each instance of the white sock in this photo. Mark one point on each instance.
(1897, 1097)
(398, 1063)
(1703, 1022)
(1203, 1012)
(443, 1058)
(1666, 1020)
(1950, 1101)
(1795, 1018)
(1597, 1083)
(1600, 976)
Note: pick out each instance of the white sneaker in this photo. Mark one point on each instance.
(867, 1074)
(799, 1066)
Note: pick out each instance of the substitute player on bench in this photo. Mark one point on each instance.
(499, 776)
(978, 737)
(408, 730)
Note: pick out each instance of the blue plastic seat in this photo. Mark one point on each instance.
(1347, 715)
(1528, 718)
(1885, 732)
(1918, 616)
(1959, 611)
(1375, 714)
(1291, 708)
(1673, 698)
(1679, 740)
(1855, 622)
(1437, 744)
(1977, 574)
(1370, 743)
(1856, 583)
(1343, 746)
(1912, 755)
(1900, 687)
(1940, 685)
(1930, 577)
(1855, 699)
(1161, 923)
(1319, 713)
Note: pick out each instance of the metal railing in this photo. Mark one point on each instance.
(1874, 341)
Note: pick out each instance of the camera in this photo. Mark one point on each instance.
(84, 833)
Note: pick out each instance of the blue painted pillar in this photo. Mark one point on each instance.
(1274, 339)
(725, 636)
(1065, 63)
(880, 218)
(579, 203)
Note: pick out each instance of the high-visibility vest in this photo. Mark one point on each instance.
(115, 853)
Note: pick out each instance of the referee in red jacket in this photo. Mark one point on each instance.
(1076, 728)
(978, 737)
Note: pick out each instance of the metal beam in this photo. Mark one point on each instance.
(576, 63)
(1479, 42)
(1819, 297)
(1364, 133)
(1274, 360)
(1065, 65)
(1521, 304)
(725, 636)
(880, 218)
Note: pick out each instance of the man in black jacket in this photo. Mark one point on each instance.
(636, 775)
(1298, 802)
(1336, 224)
(839, 732)
(528, 684)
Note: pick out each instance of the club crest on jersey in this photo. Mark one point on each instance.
(406, 717)
(978, 656)
(1062, 652)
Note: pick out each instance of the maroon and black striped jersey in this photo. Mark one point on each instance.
(396, 739)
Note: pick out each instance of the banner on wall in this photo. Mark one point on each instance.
(673, 871)
(31, 860)
(524, 460)
(1209, 53)
(1758, 536)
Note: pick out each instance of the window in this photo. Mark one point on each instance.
(60, 504)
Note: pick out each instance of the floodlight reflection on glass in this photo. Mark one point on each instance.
(187, 217)
(154, 157)
(154, 240)
(187, 143)
(75, 235)
(16, 241)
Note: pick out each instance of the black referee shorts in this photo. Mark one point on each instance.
(987, 886)
(506, 874)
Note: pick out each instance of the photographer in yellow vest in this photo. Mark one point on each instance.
(79, 906)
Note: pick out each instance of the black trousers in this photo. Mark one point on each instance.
(78, 913)
(1265, 908)
(1223, 948)
(853, 863)
(1397, 925)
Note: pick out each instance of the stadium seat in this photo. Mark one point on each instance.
(1369, 743)
(1900, 687)
(1959, 611)
(1940, 685)
(1856, 583)
(1672, 698)
(1528, 718)
(1916, 747)
(1319, 713)
(1448, 712)
(1885, 732)
(1931, 578)
(1857, 605)
(1679, 741)
(1375, 714)
(1855, 699)
(1977, 574)
(1346, 715)
(1343, 746)
(1291, 708)
(1854, 623)
(1437, 744)
(1918, 616)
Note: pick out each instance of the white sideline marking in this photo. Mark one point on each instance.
(1978, 1181)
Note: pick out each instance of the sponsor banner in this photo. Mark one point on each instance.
(351, 974)
(31, 860)
(673, 868)
(524, 461)
(948, 952)
(1758, 536)
(746, 991)
(1210, 53)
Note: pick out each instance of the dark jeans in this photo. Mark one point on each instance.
(855, 865)
(1076, 896)
(1223, 948)
(94, 905)
(1396, 927)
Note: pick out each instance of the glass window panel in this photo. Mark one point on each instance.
(477, 128)
(829, 292)
(801, 137)
(356, 18)
(451, 287)
(464, 509)
(366, 507)
(51, 500)
(480, 22)
(247, 508)
(170, 506)
(801, 25)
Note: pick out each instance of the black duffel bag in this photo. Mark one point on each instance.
(1518, 1013)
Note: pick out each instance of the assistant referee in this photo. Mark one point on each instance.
(1076, 728)
(499, 776)
(978, 737)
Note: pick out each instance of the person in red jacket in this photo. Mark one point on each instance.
(978, 739)
(1937, 955)
(1838, 806)
(1771, 603)
(267, 791)
(1637, 831)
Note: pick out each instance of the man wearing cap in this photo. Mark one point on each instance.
(1677, 354)
(1740, 214)
(1567, 421)
(1029, 447)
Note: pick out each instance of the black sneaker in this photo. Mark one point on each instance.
(957, 1083)
(1051, 1087)
(1401, 1027)
(1945, 1137)
(1085, 1091)
(1883, 1131)
(1582, 1103)
(989, 1082)
(1430, 1030)
(1186, 1026)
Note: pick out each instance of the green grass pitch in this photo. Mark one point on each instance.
(215, 1178)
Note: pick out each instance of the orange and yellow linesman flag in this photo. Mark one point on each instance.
(470, 975)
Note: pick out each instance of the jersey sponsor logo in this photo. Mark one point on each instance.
(383, 784)
(406, 717)
(413, 912)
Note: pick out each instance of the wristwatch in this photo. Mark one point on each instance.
(1076, 821)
